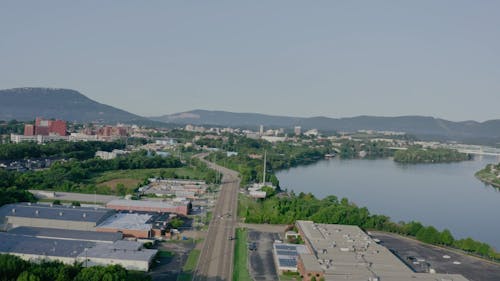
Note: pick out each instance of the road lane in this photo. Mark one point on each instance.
(216, 258)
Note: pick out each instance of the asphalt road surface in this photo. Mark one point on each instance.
(442, 260)
(216, 258)
(262, 267)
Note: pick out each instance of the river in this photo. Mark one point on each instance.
(443, 195)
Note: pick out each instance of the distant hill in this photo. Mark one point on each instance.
(27, 103)
(421, 126)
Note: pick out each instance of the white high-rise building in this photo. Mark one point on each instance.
(297, 130)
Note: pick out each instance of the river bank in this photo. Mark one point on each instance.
(490, 175)
(446, 196)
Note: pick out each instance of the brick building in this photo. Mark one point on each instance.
(44, 127)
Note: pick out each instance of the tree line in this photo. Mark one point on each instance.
(282, 155)
(287, 209)
(11, 127)
(429, 155)
(60, 149)
(74, 175)
(13, 268)
(371, 149)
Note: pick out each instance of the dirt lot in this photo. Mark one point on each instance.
(128, 183)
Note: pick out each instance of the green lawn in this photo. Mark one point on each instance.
(130, 179)
(165, 254)
(140, 174)
(191, 261)
(185, 277)
(240, 272)
(290, 277)
(189, 266)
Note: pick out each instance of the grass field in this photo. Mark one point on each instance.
(290, 277)
(165, 254)
(240, 272)
(192, 260)
(131, 178)
(128, 183)
(189, 266)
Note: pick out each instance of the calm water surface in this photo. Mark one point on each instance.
(442, 195)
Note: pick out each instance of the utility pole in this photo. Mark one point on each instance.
(264, 173)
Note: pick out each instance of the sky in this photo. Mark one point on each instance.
(295, 58)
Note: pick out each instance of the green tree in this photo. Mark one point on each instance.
(11, 267)
(100, 273)
(176, 222)
(446, 238)
(429, 235)
(27, 276)
(121, 189)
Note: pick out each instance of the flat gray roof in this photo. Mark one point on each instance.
(146, 203)
(12, 243)
(54, 212)
(132, 221)
(120, 250)
(345, 251)
(68, 234)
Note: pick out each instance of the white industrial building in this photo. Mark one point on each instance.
(69, 250)
(51, 216)
(339, 252)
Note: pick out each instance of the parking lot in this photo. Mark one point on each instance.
(168, 267)
(420, 257)
(261, 260)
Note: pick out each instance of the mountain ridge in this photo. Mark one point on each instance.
(425, 127)
(27, 103)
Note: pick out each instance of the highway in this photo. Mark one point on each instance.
(216, 258)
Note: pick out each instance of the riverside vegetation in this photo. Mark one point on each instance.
(490, 175)
(287, 207)
(283, 155)
(414, 155)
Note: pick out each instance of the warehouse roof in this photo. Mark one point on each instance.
(120, 250)
(132, 221)
(54, 212)
(145, 203)
(67, 234)
(345, 251)
(12, 243)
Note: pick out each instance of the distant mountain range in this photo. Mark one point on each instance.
(422, 127)
(27, 103)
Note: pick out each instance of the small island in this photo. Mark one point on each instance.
(416, 155)
(490, 175)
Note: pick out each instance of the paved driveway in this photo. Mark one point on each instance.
(262, 267)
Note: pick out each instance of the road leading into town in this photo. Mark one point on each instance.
(216, 258)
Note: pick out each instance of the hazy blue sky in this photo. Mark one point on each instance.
(299, 58)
